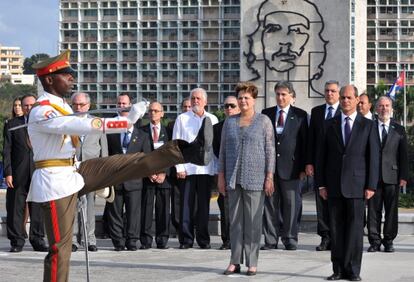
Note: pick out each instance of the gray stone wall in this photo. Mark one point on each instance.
(305, 42)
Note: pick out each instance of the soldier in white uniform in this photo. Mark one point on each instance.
(58, 180)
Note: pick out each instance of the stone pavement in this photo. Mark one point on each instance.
(174, 264)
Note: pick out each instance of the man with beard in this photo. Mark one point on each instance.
(393, 175)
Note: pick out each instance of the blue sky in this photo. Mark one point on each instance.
(30, 24)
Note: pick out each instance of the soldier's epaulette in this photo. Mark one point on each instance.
(42, 103)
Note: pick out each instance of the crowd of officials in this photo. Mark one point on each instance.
(356, 158)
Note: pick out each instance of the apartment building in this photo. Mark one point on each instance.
(11, 61)
(390, 41)
(153, 49)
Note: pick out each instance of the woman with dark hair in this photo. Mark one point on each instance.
(246, 168)
(17, 107)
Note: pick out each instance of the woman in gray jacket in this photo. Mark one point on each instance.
(246, 168)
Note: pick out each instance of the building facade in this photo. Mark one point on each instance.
(11, 61)
(390, 41)
(157, 50)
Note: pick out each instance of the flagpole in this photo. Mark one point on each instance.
(405, 98)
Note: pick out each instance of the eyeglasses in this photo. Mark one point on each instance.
(79, 105)
(230, 105)
(154, 111)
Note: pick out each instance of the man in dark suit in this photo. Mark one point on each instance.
(174, 181)
(346, 173)
(18, 170)
(127, 194)
(291, 127)
(230, 108)
(393, 175)
(157, 185)
(318, 115)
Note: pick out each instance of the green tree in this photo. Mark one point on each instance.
(28, 62)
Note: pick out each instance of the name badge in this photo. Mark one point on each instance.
(158, 144)
(279, 130)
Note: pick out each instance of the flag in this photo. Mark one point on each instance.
(398, 84)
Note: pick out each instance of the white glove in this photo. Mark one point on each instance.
(137, 111)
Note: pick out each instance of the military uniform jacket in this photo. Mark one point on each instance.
(50, 139)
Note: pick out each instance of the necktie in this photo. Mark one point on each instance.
(330, 110)
(384, 135)
(280, 120)
(347, 129)
(125, 141)
(155, 135)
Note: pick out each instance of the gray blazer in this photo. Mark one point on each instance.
(253, 152)
(93, 146)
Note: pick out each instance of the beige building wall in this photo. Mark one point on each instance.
(11, 61)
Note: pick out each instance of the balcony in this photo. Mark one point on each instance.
(129, 59)
(210, 13)
(70, 38)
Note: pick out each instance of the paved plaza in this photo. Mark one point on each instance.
(174, 264)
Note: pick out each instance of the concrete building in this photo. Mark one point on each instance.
(390, 41)
(11, 61)
(153, 49)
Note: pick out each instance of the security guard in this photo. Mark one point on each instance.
(58, 179)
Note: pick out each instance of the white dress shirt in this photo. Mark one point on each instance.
(387, 127)
(186, 128)
(334, 109)
(285, 110)
(368, 115)
(351, 122)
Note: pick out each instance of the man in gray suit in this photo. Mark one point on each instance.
(92, 146)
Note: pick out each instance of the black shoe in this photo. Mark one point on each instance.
(16, 249)
(145, 247)
(354, 278)
(185, 246)
(92, 248)
(225, 246)
(40, 248)
(119, 248)
(205, 247)
(251, 273)
(236, 270)
(267, 247)
(290, 247)
(162, 247)
(334, 277)
(199, 152)
(325, 245)
(132, 248)
(373, 249)
(389, 248)
(74, 248)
